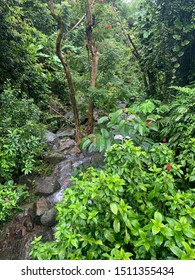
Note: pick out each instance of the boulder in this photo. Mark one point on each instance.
(75, 150)
(54, 157)
(66, 144)
(40, 206)
(70, 133)
(46, 185)
(48, 219)
(51, 140)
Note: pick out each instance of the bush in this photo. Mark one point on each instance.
(10, 196)
(20, 140)
(133, 208)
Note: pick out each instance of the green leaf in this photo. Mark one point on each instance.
(116, 225)
(155, 229)
(74, 242)
(158, 240)
(127, 237)
(85, 143)
(115, 116)
(114, 208)
(101, 143)
(147, 106)
(109, 235)
(158, 217)
(98, 242)
(103, 119)
(177, 251)
(105, 133)
(167, 231)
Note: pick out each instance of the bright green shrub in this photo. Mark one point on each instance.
(178, 117)
(20, 140)
(136, 122)
(10, 196)
(131, 209)
(187, 159)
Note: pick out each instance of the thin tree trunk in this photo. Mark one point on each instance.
(134, 50)
(94, 64)
(66, 70)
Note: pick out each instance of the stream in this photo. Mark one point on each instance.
(39, 216)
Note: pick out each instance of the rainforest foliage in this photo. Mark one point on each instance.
(126, 71)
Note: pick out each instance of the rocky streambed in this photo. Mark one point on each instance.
(39, 216)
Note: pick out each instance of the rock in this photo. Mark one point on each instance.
(51, 140)
(50, 137)
(70, 133)
(54, 157)
(27, 180)
(41, 206)
(75, 151)
(66, 144)
(46, 185)
(56, 197)
(49, 218)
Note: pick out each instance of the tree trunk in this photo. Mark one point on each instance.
(94, 64)
(66, 70)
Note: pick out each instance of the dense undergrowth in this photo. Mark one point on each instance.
(140, 205)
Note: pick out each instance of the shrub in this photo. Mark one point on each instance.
(20, 140)
(10, 196)
(137, 122)
(131, 209)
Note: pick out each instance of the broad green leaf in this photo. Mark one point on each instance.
(167, 231)
(114, 116)
(109, 235)
(155, 229)
(158, 240)
(147, 106)
(114, 208)
(74, 242)
(158, 217)
(127, 237)
(116, 225)
(103, 119)
(98, 242)
(105, 133)
(177, 251)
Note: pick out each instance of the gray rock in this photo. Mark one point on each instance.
(51, 140)
(54, 157)
(46, 185)
(66, 144)
(75, 151)
(49, 218)
(50, 137)
(41, 206)
(70, 132)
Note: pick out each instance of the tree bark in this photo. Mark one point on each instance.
(62, 58)
(94, 64)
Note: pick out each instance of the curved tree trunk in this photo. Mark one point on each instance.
(66, 70)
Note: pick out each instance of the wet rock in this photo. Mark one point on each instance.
(51, 140)
(19, 249)
(54, 157)
(63, 169)
(56, 197)
(50, 137)
(41, 206)
(66, 144)
(46, 185)
(75, 151)
(49, 218)
(27, 180)
(70, 133)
